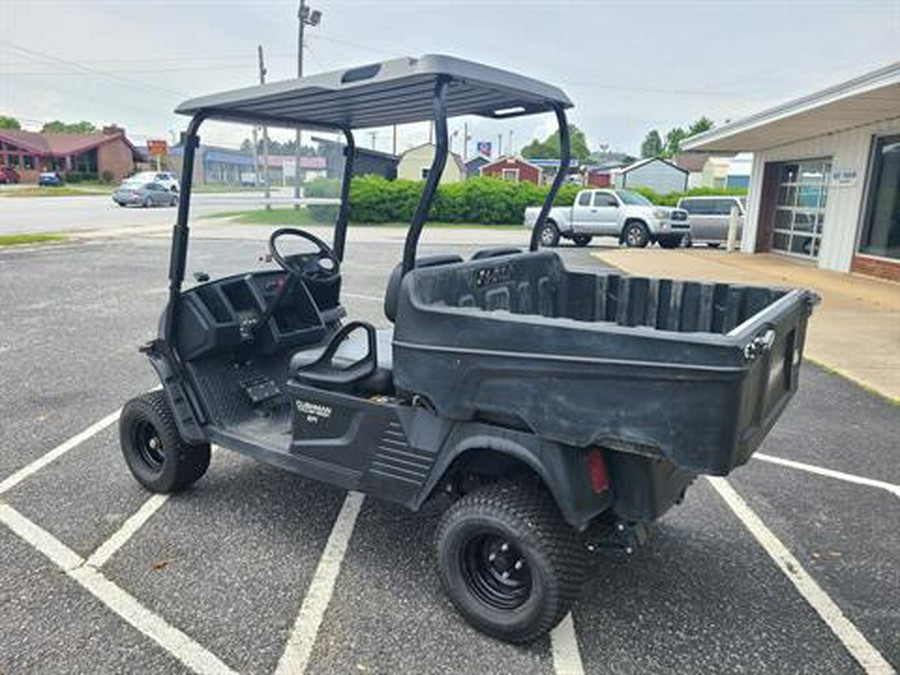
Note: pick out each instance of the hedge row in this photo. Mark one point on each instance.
(489, 201)
(671, 198)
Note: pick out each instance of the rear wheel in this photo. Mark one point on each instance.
(549, 234)
(173, 201)
(147, 203)
(508, 561)
(156, 454)
(636, 234)
(582, 240)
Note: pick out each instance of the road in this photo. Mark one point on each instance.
(20, 215)
(96, 574)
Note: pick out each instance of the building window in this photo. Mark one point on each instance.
(881, 226)
(425, 173)
(510, 174)
(800, 210)
(27, 162)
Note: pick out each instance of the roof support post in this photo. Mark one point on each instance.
(564, 158)
(180, 233)
(442, 146)
(340, 227)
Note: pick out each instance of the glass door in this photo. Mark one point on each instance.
(800, 210)
(881, 230)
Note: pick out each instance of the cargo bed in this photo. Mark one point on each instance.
(693, 372)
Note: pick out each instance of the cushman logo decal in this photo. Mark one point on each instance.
(313, 409)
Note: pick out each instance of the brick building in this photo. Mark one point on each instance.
(30, 153)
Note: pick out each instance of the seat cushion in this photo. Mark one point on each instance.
(351, 350)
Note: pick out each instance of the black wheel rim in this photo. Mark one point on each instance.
(495, 571)
(148, 445)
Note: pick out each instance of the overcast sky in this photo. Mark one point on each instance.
(629, 66)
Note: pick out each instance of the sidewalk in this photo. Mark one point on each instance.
(855, 331)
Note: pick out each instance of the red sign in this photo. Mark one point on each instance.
(157, 148)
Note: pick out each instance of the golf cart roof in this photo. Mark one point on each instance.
(398, 91)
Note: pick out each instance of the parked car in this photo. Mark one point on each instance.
(709, 217)
(50, 179)
(139, 193)
(619, 213)
(8, 175)
(165, 178)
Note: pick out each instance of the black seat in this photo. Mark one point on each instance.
(392, 292)
(357, 359)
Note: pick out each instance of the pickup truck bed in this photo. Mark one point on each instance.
(696, 373)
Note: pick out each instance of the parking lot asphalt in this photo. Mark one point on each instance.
(230, 562)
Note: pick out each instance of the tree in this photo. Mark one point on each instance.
(549, 147)
(673, 141)
(652, 145)
(58, 127)
(701, 125)
(9, 123)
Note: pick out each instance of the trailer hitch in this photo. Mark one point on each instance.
(621, 535)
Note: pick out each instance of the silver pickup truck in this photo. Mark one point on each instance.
(613, 213)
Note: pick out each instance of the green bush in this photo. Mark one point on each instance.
(323, 187)
(107, 176)
(671, 198)
(73, 177)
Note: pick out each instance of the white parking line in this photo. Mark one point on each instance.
(177, 643)
(109, 547)
(360, 296)
(566, 655)
(830, 473)
(856, 643)
(57, 452)
(306, 627)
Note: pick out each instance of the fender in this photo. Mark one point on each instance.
(559, 467)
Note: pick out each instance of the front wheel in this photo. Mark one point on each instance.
(636, 235)
(582, 240)
(158, 457)
(549, 235)
(509, 562)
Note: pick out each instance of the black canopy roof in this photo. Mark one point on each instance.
(380, 94)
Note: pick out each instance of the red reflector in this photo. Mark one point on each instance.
(596, 471)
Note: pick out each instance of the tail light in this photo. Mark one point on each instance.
(596, 471)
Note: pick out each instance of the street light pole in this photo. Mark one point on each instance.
(305, 17)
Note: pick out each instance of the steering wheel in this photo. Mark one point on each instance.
(306, 266)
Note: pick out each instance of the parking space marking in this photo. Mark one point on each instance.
(566, 655)
(300, 644)
(360, 296)
(108, 548)
(853, 640)
(57, 452)
(830, 473)
(177, 643)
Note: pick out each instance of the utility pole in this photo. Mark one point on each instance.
(510, 148)
(372, 135)
(395, 141)
(499, 146)
(262, 80)
(306, 17)
(465, 142)
(256, 154)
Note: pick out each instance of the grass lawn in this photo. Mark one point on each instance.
(303, 217)
(20, 239)
(64, 191)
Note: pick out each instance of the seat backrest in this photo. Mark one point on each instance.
(392, 292)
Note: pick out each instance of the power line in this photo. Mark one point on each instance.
(99, 73)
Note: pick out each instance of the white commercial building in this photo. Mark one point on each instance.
(825, 180)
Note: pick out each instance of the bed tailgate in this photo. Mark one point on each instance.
(772, 344)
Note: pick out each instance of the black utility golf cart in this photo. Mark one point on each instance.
(558, 410)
